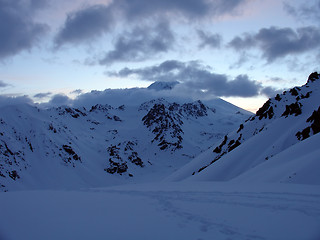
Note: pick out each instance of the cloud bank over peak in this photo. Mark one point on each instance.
(193, 76)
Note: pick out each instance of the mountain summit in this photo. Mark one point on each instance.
(160, 85)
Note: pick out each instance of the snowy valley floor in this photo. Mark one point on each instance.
(164, 211)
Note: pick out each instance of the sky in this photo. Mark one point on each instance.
(243, 51)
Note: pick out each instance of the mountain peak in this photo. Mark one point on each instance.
(161, 85)
(313, 76)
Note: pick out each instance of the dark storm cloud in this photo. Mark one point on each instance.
(277, 43)
(210, 40)
(85, 24)
(140, 44)
(93, 21)
(18, 30)
(42, 95)
(194, 76)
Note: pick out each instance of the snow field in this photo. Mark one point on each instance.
(198, 210)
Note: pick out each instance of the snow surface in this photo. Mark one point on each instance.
(158, 211)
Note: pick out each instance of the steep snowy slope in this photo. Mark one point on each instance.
(275, 145)
(104, 145)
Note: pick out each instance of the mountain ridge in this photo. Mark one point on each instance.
(78, 146)
(282, 122)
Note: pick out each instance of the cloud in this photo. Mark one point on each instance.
(77, 91)
(113, 97)
(88, 23)
(42, 95)
(140, 43)
(242, 42)
(307, 11)
(276, 43)
(59, 100)
(195, 77)
(18, 30)
(210, 40)
(14, 100)
(271, 92)
(85, 25)
(166, 71)
(186, 8)
(3, 84)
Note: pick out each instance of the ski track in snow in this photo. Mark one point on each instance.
(280, 203)
(171, 212)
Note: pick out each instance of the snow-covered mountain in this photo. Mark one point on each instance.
(80, 148)
(68, 147)
(278, 144)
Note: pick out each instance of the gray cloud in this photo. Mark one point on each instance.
(14, 100)
(3, 84)
(196, 77)
(242, 42)
(307, 11)
(271, 92)
(59, 100)
(186, 8)
(145, 8)
(140, 43)
(277, 43)
(18, 30)
(210, 40)
(42, 95)
(77, 91)
(85, 24)
(166, 71)
(93, 21)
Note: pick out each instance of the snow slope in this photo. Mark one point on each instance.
(102, 145)
(279, 144)
(171, 211)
